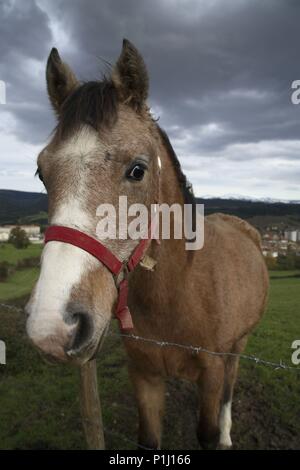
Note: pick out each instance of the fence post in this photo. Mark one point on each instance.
(90, 406)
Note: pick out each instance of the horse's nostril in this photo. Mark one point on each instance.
(83, 329)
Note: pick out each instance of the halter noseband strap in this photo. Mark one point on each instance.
(104, 255)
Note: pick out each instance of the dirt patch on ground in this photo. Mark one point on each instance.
(254, 424)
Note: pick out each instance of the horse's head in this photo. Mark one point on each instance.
(105, 145)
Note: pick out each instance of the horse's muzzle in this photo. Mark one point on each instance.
(72, 338)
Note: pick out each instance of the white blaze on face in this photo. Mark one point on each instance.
(225, 425)
(63, 265)
(62, 268)
(81, 145)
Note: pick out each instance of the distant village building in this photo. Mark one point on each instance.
(272, 254)
(292, 235)
(280, 243)
(33, 232)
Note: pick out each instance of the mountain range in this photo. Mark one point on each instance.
(22, 207)
(26, 207)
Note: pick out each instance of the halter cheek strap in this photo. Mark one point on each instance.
(111, 262)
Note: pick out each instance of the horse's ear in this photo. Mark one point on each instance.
(61, 81)
(130, 77)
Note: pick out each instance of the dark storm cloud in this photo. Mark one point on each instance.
(198, 55)
(25, 36)
(221, 72)
(24, 29)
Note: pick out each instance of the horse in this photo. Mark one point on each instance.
(106, 144)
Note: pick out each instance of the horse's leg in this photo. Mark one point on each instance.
(150, 393)
(211, 391)
(225, 422)
(231, 368)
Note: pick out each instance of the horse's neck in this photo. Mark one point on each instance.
(152, 292)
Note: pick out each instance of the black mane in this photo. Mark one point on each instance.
(93, 103)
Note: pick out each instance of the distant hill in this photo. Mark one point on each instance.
(26, 207)
(259, 213)
(22, 207)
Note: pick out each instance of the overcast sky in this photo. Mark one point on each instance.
(220, 81)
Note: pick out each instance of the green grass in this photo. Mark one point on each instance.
(283, 273)
(272, 341)
(39, 405)
(12, 255)
(20, 283)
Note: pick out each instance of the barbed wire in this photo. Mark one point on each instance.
(12, 307)
(194, 349)
(199, 349)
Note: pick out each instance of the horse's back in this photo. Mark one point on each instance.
(239, 224)
(237, 245)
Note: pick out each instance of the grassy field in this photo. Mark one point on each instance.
(19, 284)
(10, 254)
(39, 406)
(284, 274)
(21, 281)
(272, 341)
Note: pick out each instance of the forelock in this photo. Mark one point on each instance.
(93, 103)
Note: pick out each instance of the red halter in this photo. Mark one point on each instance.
(105, 256)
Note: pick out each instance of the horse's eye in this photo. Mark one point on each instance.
(39, 174)
(136, 173)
